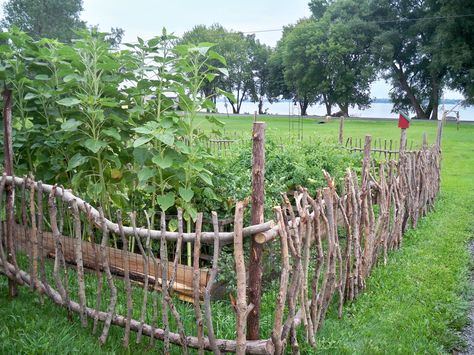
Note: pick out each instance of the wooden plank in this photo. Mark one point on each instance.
(182, 284)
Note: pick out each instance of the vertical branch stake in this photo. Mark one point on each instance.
(258, 196)
(10, 189)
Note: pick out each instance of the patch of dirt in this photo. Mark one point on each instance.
(468, 332)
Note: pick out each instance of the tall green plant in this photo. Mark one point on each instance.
(94, 121)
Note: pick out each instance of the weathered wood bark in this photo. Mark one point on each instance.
(210, 283)
(110, 281)
(403, 140)
(206, 237)
(197, 301)
(59, 257)
(97, 267)
(24, 220)
(79, 264)
(3, 254)
(164, 282)
(282, 293)
(145, 284)
(128, 287)
(154, 295)
(10, 190)
(174, 312)
(39, 202)
(177, 254)
(242, 310)
(34, 238)
(256, 248)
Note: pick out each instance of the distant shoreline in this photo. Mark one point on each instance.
(359, 118)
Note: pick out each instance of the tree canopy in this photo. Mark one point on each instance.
(326, 58)
(56, 19)
(246, 60)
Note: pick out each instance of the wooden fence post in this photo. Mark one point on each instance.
(341, 130)
(258, 195)
(439, 133)
(424, 143)
(403, 141)
(10, 189)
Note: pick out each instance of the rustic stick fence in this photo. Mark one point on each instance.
(318, 262)
(327, 246)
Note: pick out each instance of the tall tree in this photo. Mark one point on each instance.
(55, 19)
(455, 35)
(408, 54)
(346, 45)
(260, 67)
(238, 50)
(303, 75)
(326, 58)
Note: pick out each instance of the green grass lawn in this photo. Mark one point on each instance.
(415, 304)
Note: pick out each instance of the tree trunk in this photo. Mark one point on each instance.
(327, 104)
(260, 106)
(404, 84)
(303, 106)
(435, 95)
(234, 109)
(344, 107)
(240, 100)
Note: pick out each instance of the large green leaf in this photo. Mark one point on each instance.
(145, 174)
(71, 125)
(186, 194)
(94, 145)
(206, 178)
(140, 155)
(42, 77)
(214, 55)
(112, 132)
(224, 71)
(166, 201)
(68, 101)
(143, 130)
(140, 141)
(30, 96)
(76, 161)
(166, 138)
(71, 77)
(164, 162)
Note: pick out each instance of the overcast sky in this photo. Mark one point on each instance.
(146, 18)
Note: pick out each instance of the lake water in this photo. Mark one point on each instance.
(376, 110)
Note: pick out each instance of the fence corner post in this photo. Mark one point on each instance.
(403, 141)
(258, 196)
(8, 165)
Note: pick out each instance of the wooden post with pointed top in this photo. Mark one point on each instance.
(258, 195)
(10, 190)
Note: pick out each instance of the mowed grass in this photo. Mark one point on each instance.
(415, 304)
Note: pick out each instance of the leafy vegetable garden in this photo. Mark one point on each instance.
(125, 131)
